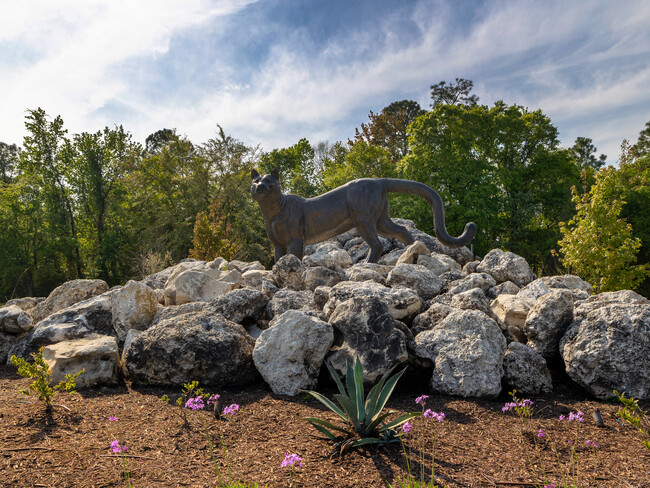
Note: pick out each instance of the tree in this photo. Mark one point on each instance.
(154, 142)
(296, 166)
(456, 93)
(642, 146)
(498, 166)
(9, 154)
(388, 129)
(212, 236)
(362, 160)
(584, 152)
(597, 244)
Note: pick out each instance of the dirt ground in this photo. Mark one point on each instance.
(477, 445)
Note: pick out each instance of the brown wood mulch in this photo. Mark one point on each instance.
(477, 445)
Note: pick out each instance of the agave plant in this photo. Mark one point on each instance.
(364, 419)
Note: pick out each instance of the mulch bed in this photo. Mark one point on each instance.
(477, 445)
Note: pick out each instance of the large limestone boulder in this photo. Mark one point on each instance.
(526, 370)
(172, 311)
(506, 266)
(97, 356)
(197, 346)
(484, 281)
(580, 289)
(367, 330)
(285, 300)
(254, 277)
(25, 303)
(157, 280)
(401, 302)
(467, 350)
(431, 317)
(416, 277)
(320, 276)
(242, 305)
(133, 306)
(412, 252)
(83, 319)
(547, 321)
(512, 311)
(461, 255)
(368, 271)
(288, 273)
(608, 346)
(66, 295)
(473, 299)
(289, 354)
(505, 288)
(438, 263)
(195, 285)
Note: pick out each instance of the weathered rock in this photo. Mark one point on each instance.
(321, 296)
(390, 258)
(329, 256)
(450, 277)
(401, 302)
(288, 273)
(194, 285)
(580, 289)
(83, 319)
(506, 266)
(568, 281)
(526, 370)
(431, 317)
(368, 271)
(484, 281)
(68, 294)
(133, 306)
(245, 266)
(602, 299)
(473, 299)
(534, 290)
(177, 310)
(97, 356)
(411, 253)
(255, 277)
(130, 335)
(467, 350)
(505, 288)
(242, 305)
(26, 303)
(607, 348)
(461, 255)
(471, 267)
(157, 280)
(416, 277)
(369, 331)
(285, 300)
(512, 310)
(199, 346)
(547, 321)
(289, 354)
(14, 320)
(320, 276)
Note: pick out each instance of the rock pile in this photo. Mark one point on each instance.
(474, 325)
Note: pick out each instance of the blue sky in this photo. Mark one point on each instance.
(272, 72)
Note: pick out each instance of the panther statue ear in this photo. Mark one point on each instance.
(254, 174)
(276, 174)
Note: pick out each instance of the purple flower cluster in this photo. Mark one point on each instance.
(112, 419)
(213, 399)
(116, 448)
(231, 409)
(549, 486)
(510, 405)
(434, 415)
(291, 459)
(578, 416)
(591, 443)
(421, 399)
(541, 433)
(406, 428)
(195, 403)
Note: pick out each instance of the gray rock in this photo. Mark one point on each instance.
(68, 294)
(157, 280)
(595, 302)
(547, 321)
(196, 285)
(321, 296)
(401, 302)
(450, 277)
(14, 320)
(473, 299)
(197, 346)
(329, 255)
(255, 277)
(484, 281)
(285, 300)
(471, 267)
(368, 271)
(289, 354)
(87, 318)
(526, 370)
(26, 303)
(320, 276)
(506, 266)
(416, 277)
(534, 290)
(390, 258)
(97, 356)
(505, 288)
(431, 317)
(467, 350)
(412, 252)
(512, 311)
(607, 348)
(172, 311)
(245, 266)
(244, 304)
(133, 306)
(288, 273)
(369, 331)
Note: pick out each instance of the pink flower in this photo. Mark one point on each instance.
(406, 427)
(421, 399)
(591, 443)
(112, 419)
(541, 433)
(433, 415)
(195, 403)
(213, 399)
(116, 448)
(230, 410)
(290, 460)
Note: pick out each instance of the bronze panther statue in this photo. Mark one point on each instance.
(292, 221)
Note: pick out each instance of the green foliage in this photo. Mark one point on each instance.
(42, 375)
(190, 390)
(297, 168)
(363, 160)
(211, 236)
(583, 151)
(597, 244)
(635, 416)
(455, 93)
(498, 166)
(363, 417)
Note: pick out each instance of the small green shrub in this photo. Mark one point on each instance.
(635, 416)
(364, 420)
(42, 375)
